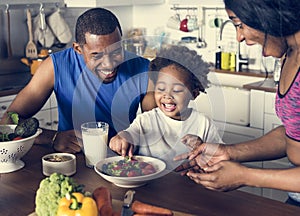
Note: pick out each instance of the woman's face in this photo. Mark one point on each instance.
(172, 92)
(272, 46)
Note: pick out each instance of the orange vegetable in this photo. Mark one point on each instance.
(145, 209)
(103, 200)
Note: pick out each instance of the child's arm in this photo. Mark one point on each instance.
(121, 143)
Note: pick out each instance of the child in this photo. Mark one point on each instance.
(179, 75)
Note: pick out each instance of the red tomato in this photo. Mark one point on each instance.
(132, 173)
(17, 138)
(147, 171)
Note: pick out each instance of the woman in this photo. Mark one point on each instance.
(275, 24)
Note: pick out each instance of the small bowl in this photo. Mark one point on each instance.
(63, 163)
(11, 152)
(132, 182)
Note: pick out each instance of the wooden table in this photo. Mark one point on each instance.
(17, 192)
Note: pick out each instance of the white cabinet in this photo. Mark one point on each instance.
(48, 115)
(109, 3)
(270, 118)
(198, 2)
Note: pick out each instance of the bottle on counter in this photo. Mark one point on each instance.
(218, 58)
(232, 61)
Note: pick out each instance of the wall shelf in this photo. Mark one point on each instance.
(21, 4)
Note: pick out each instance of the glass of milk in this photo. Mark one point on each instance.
(94, 137)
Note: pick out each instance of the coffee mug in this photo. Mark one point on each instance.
(215, 22)
(192, 23)
(174, 22)
(184, 24)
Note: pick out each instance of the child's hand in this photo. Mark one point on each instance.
(120, 145)
(192, 141)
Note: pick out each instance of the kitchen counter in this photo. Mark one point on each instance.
(255, 73)
(267, 85)
(14, 75)
(171, 191)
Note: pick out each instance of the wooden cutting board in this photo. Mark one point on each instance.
(117, 206)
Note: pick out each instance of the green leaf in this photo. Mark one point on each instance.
(14, 117)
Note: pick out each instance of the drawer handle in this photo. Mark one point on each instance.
(4, 107)
(48, 123)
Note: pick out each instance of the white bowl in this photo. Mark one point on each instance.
(11, 152)
(65, 167)
(132, 182)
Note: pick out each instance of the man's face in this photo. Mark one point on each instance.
(103, 54)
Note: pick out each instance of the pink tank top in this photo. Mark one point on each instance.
(288, 108)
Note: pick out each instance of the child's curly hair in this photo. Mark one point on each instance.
(183, 58)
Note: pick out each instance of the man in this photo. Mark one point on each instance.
(95, 80)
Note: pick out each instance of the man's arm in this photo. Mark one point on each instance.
(34, 95)
(148, 102)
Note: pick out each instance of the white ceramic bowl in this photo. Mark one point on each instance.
(132, 182)
(63, 163)
(11, 152)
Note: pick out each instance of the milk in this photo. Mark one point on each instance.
(94, 142)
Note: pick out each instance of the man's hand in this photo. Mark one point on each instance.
(67, 141)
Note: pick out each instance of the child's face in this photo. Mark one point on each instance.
(172, 92)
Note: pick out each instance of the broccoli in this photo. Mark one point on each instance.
(51, 190)
(27, 127)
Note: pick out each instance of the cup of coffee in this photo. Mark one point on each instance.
(174, 22)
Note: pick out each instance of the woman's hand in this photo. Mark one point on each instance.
(120, 144)
(67, 141)
(203, 156)
(222, 176)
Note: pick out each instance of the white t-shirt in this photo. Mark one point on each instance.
(157, 135)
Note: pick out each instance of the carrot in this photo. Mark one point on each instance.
(151, 210)
(103, 200)
(106, 210)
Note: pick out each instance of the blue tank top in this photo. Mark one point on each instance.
(82, 97)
